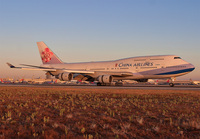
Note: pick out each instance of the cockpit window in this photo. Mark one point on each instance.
(177, 57)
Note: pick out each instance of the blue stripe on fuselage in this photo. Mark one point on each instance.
(177, 71)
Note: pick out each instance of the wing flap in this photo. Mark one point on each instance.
(43, 69)
(79, 71)
(122, 74)
(35, 66)
(118, 74)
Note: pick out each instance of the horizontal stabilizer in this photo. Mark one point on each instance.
(10, 65)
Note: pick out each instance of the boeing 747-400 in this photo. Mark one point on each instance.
(134, 68)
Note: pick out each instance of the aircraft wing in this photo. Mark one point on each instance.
(119, 74)
(125, 74)
(79, 71)
(66, 70)
(27, 68)
(40, 68)
(35, 66)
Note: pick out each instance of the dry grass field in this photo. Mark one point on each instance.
(27, 112)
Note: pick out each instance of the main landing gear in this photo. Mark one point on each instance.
(171, 84)
(103, 84)
(119, 83)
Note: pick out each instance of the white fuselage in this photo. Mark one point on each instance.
(147, 67)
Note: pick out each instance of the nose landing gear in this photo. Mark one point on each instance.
(171, 83)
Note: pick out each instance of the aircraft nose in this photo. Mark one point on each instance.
(192, 67)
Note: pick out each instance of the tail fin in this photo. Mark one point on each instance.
(47, 56)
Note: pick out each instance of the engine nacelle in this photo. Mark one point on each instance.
(65, 76)
(105, 79)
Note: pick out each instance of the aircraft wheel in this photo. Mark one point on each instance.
(98, 84)
(171, 85)
(119, 84)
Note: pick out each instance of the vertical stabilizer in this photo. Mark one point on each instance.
(47, 56)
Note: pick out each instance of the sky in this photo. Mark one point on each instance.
(97, 30)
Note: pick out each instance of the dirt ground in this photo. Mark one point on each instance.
(28, 112)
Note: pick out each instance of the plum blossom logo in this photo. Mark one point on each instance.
(46, 55)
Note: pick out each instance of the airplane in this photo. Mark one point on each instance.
(139, 69)
(5, 81)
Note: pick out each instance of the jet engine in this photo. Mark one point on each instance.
(65, 76)
(105, 79)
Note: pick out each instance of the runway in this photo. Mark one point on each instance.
(137, 87)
